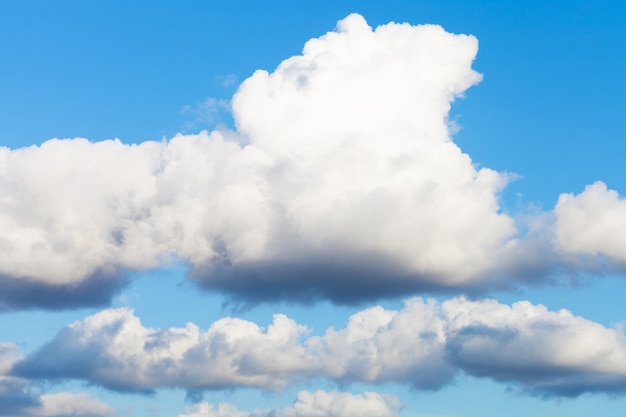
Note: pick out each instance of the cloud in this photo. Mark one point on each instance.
(592, 223)
(424, 345)
(311, 404)
(340, 182)
(342, 154)
(64, 404)
(19, 398)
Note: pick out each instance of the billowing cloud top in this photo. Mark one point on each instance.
(341, 181)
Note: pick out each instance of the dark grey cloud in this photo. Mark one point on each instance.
(97, 290)
(15, 396)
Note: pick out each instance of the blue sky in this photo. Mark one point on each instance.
(292, 216)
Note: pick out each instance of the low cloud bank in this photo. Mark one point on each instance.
(424, 345)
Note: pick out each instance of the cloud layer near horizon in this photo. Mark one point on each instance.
(341, 181)
(425, 345)
(310, 404)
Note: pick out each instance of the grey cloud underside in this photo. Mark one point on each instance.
(97, 290)
(20, 397)
(545, 380)
(14, 397)
(355, 279)
(344, 280)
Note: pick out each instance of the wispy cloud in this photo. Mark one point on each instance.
(206, 114)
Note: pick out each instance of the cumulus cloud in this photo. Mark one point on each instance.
(19, 398)
(424, 345)
(340, 181)
(592, 223)
(113, 349)
(311, 404)
(341, 168)
(540, 351)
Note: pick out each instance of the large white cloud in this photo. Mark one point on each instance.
(342, 168)
(424, 345)
(310, 404)
(341, 181)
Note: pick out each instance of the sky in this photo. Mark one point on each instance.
(312, 209)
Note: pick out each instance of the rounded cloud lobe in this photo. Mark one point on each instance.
(592, 223)
(340, 182)
(425, 345)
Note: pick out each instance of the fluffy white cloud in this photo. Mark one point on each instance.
(114, 349)
(383, 345)
(424, 344)
(71, 207)
(342, 157)
(592, 223)
(311, 404)
(362, 157)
